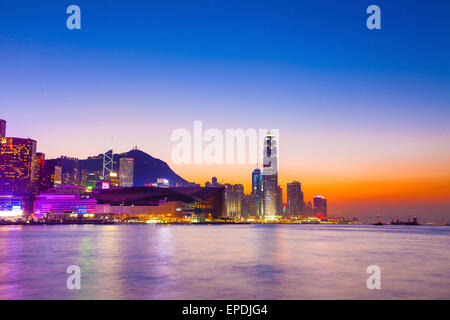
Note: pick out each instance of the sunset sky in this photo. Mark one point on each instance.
(364, 115)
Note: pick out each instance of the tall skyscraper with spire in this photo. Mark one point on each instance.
(270, 177)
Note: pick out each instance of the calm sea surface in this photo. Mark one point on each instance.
(224, 262)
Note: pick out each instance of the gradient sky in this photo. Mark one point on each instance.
(364, 115)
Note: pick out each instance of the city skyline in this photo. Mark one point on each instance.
(363, 115)
(259, 181)
(225, 158)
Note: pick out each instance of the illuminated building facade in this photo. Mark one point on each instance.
(10, 206)
(51, 174)
(71, 174)
(18, 166)
(113, 179)
(126, 172)
(320, 207)
(280, 201)
(270, 177)
(199, 201)
(256, 181)
(63, 203)
(162, 183)
(295, 201)
(255, 202)
(252, 206)
(234, 194)
(209, 202)
(40, 160)
(245, 206)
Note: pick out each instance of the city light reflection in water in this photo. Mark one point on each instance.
(224, 262)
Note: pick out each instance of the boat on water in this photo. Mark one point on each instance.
(414, 222)
(379, 222)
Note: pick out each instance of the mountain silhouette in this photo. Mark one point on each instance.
(147, 169)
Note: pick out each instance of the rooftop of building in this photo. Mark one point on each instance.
(138, 194)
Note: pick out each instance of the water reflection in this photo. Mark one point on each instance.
(224, 262)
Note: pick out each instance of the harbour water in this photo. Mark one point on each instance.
(224, 261)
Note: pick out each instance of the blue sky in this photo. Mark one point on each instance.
(140, 69)
(268, 50)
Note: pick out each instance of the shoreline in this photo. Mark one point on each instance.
(208, 223)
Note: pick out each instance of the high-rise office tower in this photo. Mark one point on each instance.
(2, 128)
(18, 169)
(294, 198)
(256, 196)
(308, 209)
(256, 181)
(320, 207)
(280, 201)
(270, 177)
(71, 171)
(51, 174)
(126, 172)
(40, 161)
(234, 194)
(246, 206)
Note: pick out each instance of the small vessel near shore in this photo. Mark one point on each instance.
(379, 222)
(414, 222)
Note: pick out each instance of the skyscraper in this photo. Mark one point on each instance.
(51, 175)
(280, 201)
(246, 206)
(71, 171)
(40, 161)
(270, 177)
(256, 181)
(2, 128)
(234, 194)
(295, 200)
(320, 207)
(126, 172)
(18, 169)
(308, 209)
(256, 196)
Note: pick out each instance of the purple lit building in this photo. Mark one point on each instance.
(63, 203)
